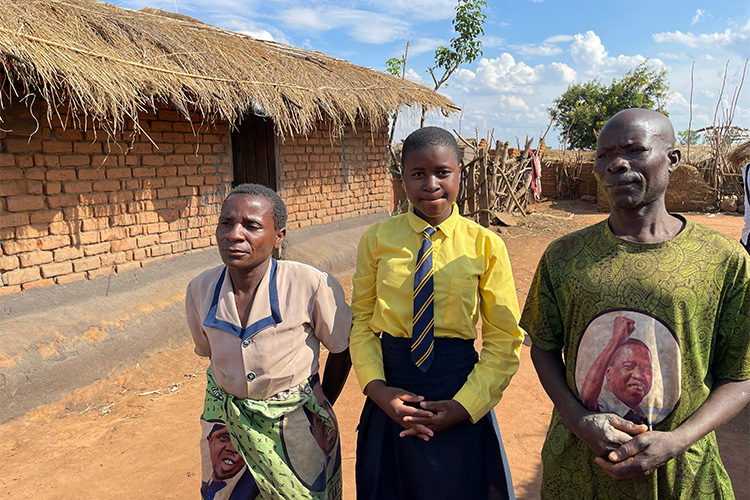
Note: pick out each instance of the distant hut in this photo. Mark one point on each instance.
(121, 131)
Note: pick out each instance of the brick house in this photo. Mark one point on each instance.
(120, 138)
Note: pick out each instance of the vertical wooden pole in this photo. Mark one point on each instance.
(484, 198)
(470, 188)
(462, 188)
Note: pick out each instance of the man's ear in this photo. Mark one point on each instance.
(674, 155)
(280, 235)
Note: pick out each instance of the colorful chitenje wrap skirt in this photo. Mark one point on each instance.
(284, 447)
(466, 461)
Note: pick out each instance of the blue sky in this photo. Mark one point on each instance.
(533, 49)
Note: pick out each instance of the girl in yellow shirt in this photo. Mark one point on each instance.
(422, 281)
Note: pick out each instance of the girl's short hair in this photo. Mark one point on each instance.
(427, 137)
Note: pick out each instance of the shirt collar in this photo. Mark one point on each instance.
(418, 224)
(613, 404)
(265, 312)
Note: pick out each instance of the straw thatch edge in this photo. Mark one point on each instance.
(100, 66)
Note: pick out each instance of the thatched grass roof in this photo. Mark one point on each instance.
(739, 155)
(109, 63)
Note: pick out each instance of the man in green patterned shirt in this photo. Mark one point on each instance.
(643, 277)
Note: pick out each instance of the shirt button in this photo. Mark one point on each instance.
(251, 376)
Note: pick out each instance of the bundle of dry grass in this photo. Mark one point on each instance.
(698, 155)
(739, 155)
(108, 64)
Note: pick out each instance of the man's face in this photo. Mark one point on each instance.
(634, 158)
(629, 374)
(431, 180)
(225, 460)
(245, 234)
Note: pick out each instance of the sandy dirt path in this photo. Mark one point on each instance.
(135, 434)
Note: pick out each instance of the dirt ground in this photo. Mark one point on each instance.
(136, 433)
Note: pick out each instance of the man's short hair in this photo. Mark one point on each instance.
(427, 137)
(630, 341)
(279, 207)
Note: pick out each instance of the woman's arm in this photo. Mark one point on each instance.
(335, 374)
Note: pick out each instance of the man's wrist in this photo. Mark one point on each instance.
(572, 412)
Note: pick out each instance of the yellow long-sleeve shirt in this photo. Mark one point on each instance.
(472, 277)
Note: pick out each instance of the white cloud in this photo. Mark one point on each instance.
(424, 45)
(587, 50)
(505, 74)
(415, 77)
(256, 30)
(512, 102)
(248, 28)
(559, 72)
(676, 99)
(697, 17)
(538, 50)
(592, 59)
(559, 38)
(737, 40)
(364, 26)
(493, 42)
(427, 10)
(674, 57)
(258, 34)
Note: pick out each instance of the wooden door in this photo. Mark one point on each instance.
(254, 152)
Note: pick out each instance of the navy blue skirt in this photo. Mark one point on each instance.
(466, 461)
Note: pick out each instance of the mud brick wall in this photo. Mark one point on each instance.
(324, 180)
(78, 205)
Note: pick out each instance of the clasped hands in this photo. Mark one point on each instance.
(423, 422)
(625, 450)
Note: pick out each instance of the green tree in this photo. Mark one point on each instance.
(688, 137)
(465, 47)
(394, 66)
(582, 110)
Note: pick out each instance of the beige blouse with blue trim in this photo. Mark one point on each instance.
(296, 308)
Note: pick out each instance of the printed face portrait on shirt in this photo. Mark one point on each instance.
(629, 363)
(225, 459)
(311, 447)
(324, 435)
(629, 373)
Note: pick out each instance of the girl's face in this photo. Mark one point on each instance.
(431, 180)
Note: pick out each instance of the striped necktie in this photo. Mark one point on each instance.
(424, 316)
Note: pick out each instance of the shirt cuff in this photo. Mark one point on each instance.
(368, 373)
(476, 406)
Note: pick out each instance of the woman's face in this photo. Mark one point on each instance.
(245, 234)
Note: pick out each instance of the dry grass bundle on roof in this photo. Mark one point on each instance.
(700, 155)
(739, 155)
(556, 155)
(109, 64)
